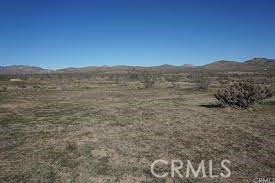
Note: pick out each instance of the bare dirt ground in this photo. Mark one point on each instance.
(113, 134)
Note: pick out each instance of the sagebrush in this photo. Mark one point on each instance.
(243, 94)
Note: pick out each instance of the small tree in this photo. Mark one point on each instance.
(242, 94)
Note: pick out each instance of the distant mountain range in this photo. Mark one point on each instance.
(22, 69)
(255, 64)
(252, 65)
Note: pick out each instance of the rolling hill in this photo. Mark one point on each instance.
(22, 69)
(252, 65)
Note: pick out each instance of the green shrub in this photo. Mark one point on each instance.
(243, 94)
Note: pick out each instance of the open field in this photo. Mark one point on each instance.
(137, 91)
(103, 132)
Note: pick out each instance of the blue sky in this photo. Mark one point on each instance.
(74, 33)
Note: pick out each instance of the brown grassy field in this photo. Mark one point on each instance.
(99, 131)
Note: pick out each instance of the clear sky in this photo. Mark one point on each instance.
(73, 33)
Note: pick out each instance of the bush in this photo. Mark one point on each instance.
(173, 79)
(36, 87)
(201, 82)
(123, 82)
(243, 94)
(132, 75)
(3, 89)
(148, 80)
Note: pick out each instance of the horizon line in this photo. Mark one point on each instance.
(123, 65)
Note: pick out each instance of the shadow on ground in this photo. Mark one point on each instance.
(269, 103)
(212, 105)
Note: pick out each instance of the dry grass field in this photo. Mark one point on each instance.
(103, 132)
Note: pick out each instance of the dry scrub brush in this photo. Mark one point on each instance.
(202, 81)
(243, 94)
(148, 80)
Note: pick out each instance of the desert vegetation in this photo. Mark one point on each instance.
(148, 80)
(243, 94)
(201, 80)
(110, 126)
